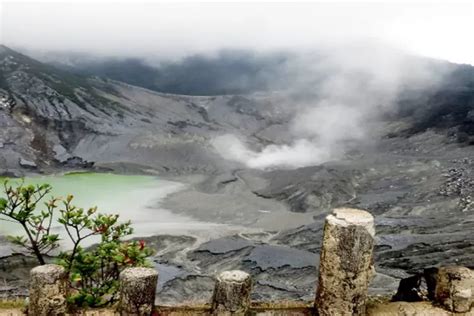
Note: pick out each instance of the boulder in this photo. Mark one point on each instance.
(409, 290)
(27, 163)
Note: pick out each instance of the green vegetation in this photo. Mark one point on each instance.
(74, 87)
(19, 206)
(16, 303)
(93, 272)
(74, 173)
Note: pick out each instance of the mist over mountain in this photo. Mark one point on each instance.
(225, 72)
(327, 99)
(378, 130)
(227, 132)
(425, 93)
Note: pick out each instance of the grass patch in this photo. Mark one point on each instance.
(79, 173)
(12, 303)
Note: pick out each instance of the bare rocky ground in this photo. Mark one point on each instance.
(420, 195)
(415, 176)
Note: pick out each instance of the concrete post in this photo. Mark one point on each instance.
(346, 263)
(232, 293)
(137, 291)
(48, 291)
(455, 288)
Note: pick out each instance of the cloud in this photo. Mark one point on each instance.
(351, 83)
(177, 29)
(352, 88)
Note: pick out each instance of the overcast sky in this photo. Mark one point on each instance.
(439, 30)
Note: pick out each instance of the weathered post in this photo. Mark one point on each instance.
(455, 288)
(137, 291)
(232, 293)
(48, 290)
(346, 262)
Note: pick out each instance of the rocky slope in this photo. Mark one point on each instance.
(422, 200)
(53, 115)
(50, 116)
(415, 174)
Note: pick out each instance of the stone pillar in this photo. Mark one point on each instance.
(137, 291)
(48, 290)
(346, 263)
(232, 293)
(455, 288)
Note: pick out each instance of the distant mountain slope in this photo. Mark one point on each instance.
(414, 176)
(446, 106)
(49, 116)
(228, 72)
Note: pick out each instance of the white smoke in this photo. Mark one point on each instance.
(298, 154)
(354, 86)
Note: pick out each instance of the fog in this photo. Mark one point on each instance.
(176, 29)
(353, 88)
(364, 55)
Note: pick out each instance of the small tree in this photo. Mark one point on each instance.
(19, 207)
(93, 272)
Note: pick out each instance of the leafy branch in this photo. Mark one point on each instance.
(93, 272)
(19, 206)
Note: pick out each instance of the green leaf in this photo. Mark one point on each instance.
(3, 204)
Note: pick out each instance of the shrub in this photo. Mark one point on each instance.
(94, 271)
(19, 206)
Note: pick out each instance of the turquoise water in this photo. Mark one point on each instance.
(134, 198)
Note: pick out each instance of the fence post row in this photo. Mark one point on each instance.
(346, 268)
(345, 271)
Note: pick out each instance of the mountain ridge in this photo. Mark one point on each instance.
(73, 111)
(68, 110)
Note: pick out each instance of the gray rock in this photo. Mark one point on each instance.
(232, 293)
(60, 153)
(455, 288)
(27, 163)
(137, 291)
(274, 257)
(225, 245)
(346, 264)
(48, 290)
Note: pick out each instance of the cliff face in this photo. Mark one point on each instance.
(53, 115)
(49, 115)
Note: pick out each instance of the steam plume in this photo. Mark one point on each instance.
(353, 87)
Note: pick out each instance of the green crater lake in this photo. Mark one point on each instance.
(135, 198)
